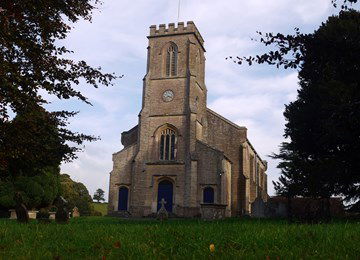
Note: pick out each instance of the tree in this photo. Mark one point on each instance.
(33, 63)
(32, 141)
(321, 158)
(31, 156)
(38, 191)
(323, 121)
(77, 195)
(99, 195)
(344, 3)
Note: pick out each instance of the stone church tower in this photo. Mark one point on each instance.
(181, 150)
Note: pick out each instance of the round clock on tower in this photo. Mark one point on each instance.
(168, 95)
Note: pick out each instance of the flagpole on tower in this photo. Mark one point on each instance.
(178, 11)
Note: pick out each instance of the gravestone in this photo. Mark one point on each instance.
(75, 212)
(61, 215)
(258, 208)
(212, 211)
(52, 215)
(162, 214)
(12, 214)
(20, 209)
(32, 214)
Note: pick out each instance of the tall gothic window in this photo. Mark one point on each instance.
(167, 144)
(171, 60)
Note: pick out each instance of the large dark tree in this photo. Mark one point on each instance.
(33, 140)
(322, 155)
(33, 65)
(37, 191)
(32, 147)
(323, 123)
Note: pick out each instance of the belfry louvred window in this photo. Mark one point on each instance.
(167, 144)
(171, 60)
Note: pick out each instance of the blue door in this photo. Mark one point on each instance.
(208, 195)
(123, 198)
(165, 191)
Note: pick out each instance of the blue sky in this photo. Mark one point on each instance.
(249, 96)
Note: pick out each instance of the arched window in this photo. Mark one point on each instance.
(171, 60)
(208, 195)
(167, 144)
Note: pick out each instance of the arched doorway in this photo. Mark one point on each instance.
(208, 195)
(123, 198)
(165, 191)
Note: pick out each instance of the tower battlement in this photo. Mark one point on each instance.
(171, 29)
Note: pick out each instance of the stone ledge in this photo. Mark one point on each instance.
(165, 163)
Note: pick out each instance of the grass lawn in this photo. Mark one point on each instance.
(101, 207)
(99, 237)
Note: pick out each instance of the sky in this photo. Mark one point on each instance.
(252, 96)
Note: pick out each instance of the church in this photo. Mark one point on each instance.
(182, 152)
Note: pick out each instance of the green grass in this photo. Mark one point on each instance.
(101, 207)
(95, 237)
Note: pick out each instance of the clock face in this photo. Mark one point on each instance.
(168, 96)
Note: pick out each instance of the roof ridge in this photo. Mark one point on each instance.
(226, 120)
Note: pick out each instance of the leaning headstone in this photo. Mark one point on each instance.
(20, 209)
(162, 214)
(62, 215)
(75, 212)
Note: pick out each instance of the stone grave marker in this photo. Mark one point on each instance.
(20, 209)
(75, 212)
(12, 214)
(162, 214)
(61, 215)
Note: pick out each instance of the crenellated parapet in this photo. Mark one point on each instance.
(171, 29)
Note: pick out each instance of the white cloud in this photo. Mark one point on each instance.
(310, 11)
(251, 96)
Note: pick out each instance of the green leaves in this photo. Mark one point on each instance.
(321, 159)
(37, 191)
(77, 195)
(99, 195)
(31, 63)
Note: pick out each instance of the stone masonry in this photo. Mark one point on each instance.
(208, 159)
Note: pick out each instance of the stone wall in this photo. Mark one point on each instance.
(129, 137)
(228, 137)
(306, 208)
(120, 174)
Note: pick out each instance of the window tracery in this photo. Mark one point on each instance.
(167, 144)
